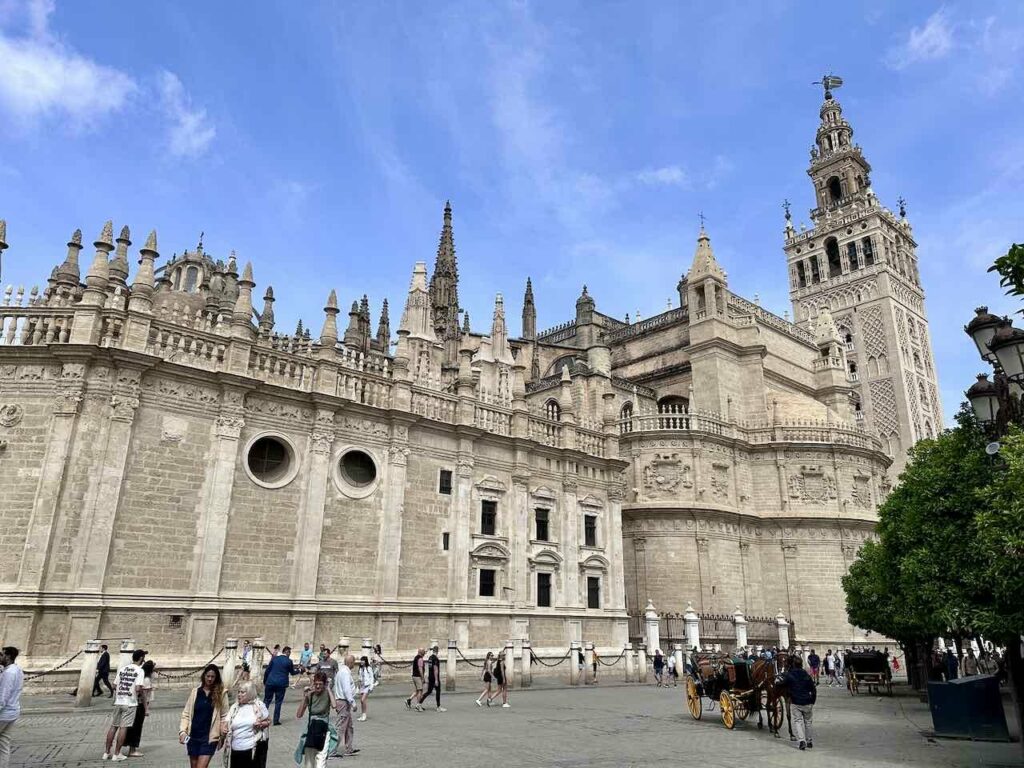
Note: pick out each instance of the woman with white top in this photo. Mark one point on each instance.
(245, 729)
(134, 736)
(367, 682)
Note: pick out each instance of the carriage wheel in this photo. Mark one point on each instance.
(742, 709)
(728, 712)
(693, 702)
(776, 713)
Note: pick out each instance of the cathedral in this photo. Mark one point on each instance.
(178, 470)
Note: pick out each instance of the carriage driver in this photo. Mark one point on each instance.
(803, 694)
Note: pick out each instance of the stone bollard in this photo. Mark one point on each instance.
(368, 648)
(526, 665)
(510, 664)
(87, 675)
(780, 620)
(574, 661)
(692, 622)
(449, 670)
(124, 658)
(677, 651)
(627, 653)
(344, 643)
(588, 663)
(641, 663)
(230, 660)
(259, 649)
(740, 622)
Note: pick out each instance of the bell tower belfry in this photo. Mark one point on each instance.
(858, 260)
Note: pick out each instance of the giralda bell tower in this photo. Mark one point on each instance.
(859, 260)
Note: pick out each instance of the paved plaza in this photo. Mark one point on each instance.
(604, 725)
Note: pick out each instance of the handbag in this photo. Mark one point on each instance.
(316, 733)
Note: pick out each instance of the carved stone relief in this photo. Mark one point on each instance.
(664, 474)
(11, 414)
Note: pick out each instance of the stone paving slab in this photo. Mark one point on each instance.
(596, 726)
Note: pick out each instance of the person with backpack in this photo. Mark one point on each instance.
(319, 737)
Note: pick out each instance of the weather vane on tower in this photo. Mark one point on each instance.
(828, 82)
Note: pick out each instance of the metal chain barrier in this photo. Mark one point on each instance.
(472, 664)
(36, 675)
(614, 661)
(190, 672)
(539, 660)
(394, 664)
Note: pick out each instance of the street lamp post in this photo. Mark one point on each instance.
(997, 403)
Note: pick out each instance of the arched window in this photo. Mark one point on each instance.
(191, 277)
(552, 410)
(815, 273)
(835, 265)
(851, 255)
(868, 251)
(626, 416)
(835, 189)
(801, 275)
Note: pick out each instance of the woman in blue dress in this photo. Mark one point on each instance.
(200, 726)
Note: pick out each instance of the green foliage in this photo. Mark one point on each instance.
(1011, 270)
(999, 535)
(922, 576)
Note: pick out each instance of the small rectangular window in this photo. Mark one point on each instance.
(544, 590)
(486, 582)
(590, 530)
(593, 592)
(445, 540)
(542, 524)
(444, 483)
(488, 517)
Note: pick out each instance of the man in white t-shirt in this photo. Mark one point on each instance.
(127, 686)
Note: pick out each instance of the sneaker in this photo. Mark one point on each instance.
(810, 745)
(118, 758)
(419, 708)
(408, 703)
(803, 746)
(441, 709)
(362, 718)
(106, 756)
(506, 705)
(478, 703)
(488, 702)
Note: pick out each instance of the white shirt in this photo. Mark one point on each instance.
(366, 679)
(127, 679)
(671, 662)
(11, 681)
(243, 724)
(343, 687)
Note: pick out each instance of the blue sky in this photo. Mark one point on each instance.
(577, 141)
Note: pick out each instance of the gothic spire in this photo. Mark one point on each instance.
(329, 333)
(529, 313)
(267, 315)
(68, 273)
(499, 333)
(118, 268)
(444, 283)
(384, 328)
(417, 319)
(704, 262)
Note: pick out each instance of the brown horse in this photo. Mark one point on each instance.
(778, 701)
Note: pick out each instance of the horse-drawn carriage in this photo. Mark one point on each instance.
(870, 668)
(739, 687)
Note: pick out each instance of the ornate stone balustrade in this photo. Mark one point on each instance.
(24, 326)
(197, 348)
(434, 405)
(545, 431)
(558, 333)
(493, 419)
(798, 431)
(677, 315)
(744, 307)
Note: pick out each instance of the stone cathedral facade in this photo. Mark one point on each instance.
(175, 468)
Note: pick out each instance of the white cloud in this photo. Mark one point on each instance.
(928, 43)
(40, 76)
(667, 175)
(191, 131)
